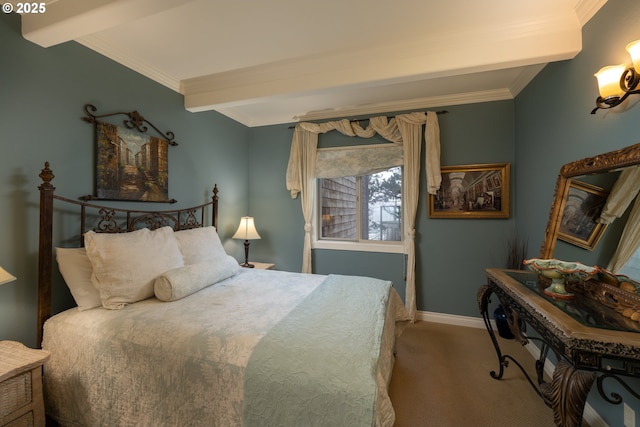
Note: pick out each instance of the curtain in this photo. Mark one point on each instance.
(406, 130)
(629, 241)
(300, 179)
(357, 161)
(621, 195)
(624, 190)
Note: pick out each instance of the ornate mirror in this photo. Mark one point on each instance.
(605, 165)
(608, 168)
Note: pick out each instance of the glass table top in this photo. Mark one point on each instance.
(582, 309)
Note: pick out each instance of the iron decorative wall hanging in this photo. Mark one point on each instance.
(130, 164)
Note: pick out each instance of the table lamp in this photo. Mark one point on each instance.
(247, 231)
(5, 277)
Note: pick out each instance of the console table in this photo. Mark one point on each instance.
(591, 342)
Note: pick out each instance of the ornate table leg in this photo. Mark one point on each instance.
(484, 296)
(567, 394)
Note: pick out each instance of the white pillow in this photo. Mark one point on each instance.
(75, 267)
(183, 281)
(200, 245)
(126, 264)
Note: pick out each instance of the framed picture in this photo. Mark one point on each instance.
(581, 208)
(472, 191)
(130, 164)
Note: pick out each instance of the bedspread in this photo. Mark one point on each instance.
(316, 364)
(179, 363)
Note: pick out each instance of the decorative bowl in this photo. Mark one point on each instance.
(560, 273)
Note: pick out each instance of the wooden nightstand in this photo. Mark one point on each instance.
(21, 402)
(262, 265)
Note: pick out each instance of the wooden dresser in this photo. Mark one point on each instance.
(21, 402)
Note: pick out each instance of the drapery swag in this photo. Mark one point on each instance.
(404, 132)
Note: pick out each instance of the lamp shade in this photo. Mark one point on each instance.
(247, 229)
(634, 51)
(5, 277)
(609, 80)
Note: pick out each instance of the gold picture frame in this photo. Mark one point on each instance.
(581, 208)
(472, 191)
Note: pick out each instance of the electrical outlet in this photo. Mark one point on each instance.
(629, 416)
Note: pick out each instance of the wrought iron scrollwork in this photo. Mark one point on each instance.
(108, 222)
(135, 121)
(153, 221)
(614, 397)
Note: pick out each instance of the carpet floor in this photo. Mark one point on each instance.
(441, 379)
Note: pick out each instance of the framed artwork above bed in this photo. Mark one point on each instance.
(130, 164)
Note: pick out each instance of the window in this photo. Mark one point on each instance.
(364, 210)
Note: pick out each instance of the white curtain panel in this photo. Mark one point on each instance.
(629, 241)
(624, 190)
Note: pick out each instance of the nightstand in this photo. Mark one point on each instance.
(262, 265)
(21, 402)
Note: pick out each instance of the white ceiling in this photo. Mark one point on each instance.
(278, 61)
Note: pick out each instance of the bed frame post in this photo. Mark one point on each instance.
(45, 253)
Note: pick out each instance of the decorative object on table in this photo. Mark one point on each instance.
(516, 251)
(5, 276)
(502, 323)
(130, 165)
(246, 231)
(472, 191)
(582, 207)
(629, 309)
(560, 273)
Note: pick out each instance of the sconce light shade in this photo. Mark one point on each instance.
(609, 81)
(634, 51)
(5, 277)
(617, 82)
(246, 231)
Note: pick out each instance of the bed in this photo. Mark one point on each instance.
(170, 331)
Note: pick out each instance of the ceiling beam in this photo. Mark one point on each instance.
(67, 20)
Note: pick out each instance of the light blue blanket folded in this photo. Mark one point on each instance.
(318, 366)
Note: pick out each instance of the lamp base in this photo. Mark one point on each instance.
(247, 265)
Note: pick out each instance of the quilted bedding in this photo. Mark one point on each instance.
(185, 362)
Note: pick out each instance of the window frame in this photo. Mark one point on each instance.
(361, 245)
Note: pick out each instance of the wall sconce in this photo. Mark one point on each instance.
(617, 82)
(247, 231)
(5, 276)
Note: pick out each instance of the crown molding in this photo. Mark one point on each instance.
(586, 9)
(120, 56)
(410, 105)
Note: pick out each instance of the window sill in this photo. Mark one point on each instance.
(390, 247)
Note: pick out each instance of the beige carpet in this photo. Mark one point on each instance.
(441, 379)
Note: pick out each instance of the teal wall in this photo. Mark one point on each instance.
(451, 253)
(41, 105)
(553, 127)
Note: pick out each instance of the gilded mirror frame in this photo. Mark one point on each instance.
(606, 162)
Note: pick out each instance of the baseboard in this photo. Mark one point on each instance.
(450, 319)
(589, 415)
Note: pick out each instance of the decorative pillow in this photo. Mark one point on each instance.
(183, 281)
(126, 264)
(200, 245)
(75, 267)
